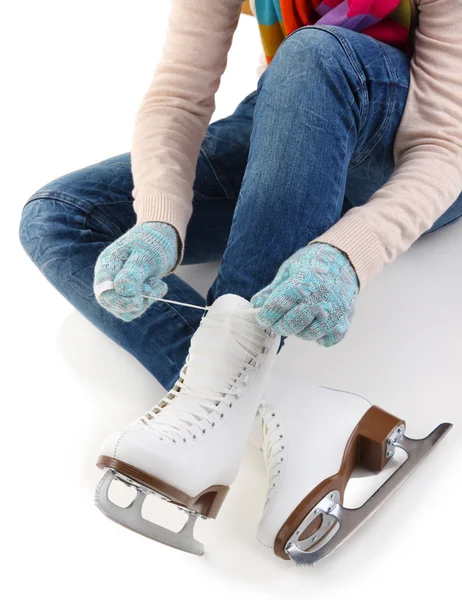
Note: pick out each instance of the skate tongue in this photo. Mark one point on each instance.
(219, 345)
(227, 340)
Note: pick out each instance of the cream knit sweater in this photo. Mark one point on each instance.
(176, 110)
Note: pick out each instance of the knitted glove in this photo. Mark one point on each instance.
(311, 297)
(136, 263)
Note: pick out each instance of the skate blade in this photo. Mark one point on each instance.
(339, 523)
(132, 518)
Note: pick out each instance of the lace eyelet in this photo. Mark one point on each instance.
(174, 441)
(273, 414)
(194, 436)
(278, 425)
(204, 432)
(230, 405)
(184, 440)
(222, 415)
(213, 424)
(280, 436)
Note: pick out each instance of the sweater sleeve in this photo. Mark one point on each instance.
(176, 110)
(427, 177)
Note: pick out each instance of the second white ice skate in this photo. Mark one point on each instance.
(313, 438)
(188, 448)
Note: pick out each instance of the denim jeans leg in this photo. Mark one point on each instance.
(70, 221)
(453, 214)
(372, 163)
(64, 240)
(315, 108)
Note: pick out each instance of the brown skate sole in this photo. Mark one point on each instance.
(207, 503)
(366, 447)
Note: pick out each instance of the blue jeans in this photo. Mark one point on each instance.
(314, 139)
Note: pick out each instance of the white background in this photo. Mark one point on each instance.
(75, 74)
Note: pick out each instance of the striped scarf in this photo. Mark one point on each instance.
(386, 20)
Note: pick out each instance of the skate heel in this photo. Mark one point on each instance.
(209, 503)
(370, 445)
(377, 433)
(206, 505)
(321, 523)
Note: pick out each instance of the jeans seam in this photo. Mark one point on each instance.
(378, 135)
(391, 68)
(344, 162)
(346, 47)
(103, 221)
(185, 321)
(215, 172)
(83, 205)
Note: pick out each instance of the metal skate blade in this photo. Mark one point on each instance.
(350, 520)
(132, 518)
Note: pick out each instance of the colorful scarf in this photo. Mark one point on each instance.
(386, 20)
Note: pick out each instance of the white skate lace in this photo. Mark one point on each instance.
(186, 406)
(273, 446)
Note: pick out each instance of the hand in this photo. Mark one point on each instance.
(311, 297)
(136, 263)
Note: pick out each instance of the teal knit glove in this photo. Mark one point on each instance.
(136, 263)
(311, 297)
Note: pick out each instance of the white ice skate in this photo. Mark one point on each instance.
(312, 439)
(188, 448)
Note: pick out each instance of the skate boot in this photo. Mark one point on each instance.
(312, 439)
(188, 448)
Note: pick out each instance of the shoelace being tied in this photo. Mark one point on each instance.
(181, 411)
(188, 403)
